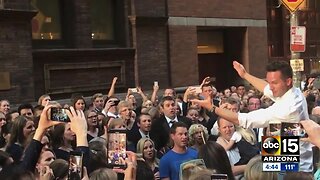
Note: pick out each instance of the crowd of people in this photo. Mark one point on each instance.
(195, 135)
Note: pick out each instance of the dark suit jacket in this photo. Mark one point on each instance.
(160, 130)
(133, 137)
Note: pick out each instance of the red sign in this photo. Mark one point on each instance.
(298, 39)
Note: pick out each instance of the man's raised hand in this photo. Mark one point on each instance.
(239, 68)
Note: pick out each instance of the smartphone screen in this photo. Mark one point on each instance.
(117, 145)
(134, 90)
(292, 129)
(75, 165)
(155, 83)
(59, 114)
(219, 177)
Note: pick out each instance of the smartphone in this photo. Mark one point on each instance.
(59, 114)
(117, 146)
(292, 129)
(134, 90)
(115, 102)
(75, 165)
(155, 83)
(219, 177)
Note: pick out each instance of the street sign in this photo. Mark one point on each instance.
(297, 65)
(298, 38)
(292, 5)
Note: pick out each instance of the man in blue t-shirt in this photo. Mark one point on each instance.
(171, 161)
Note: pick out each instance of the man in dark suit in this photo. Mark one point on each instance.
(161, 127)
(144, 127)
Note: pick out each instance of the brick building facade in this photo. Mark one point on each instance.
(174, 42)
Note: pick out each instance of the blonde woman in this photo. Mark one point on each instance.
(254, 170)
(44, 99)
(247, 145)
(146, 149)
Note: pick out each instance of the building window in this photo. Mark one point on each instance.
(46, 25)
(102, 20)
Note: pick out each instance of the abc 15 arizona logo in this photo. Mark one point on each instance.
(280, 145)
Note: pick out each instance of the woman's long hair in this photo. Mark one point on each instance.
(17, 130)
(247, 134)
(57, 136)
(140, 147)
(98, 155)
(215, 157)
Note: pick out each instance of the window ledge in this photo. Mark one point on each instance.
(14, 14)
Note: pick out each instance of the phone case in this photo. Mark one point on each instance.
(117, 145)
(75, 165)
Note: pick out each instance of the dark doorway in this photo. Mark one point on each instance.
(225, 46)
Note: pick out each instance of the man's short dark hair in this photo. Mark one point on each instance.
(25, 106)
(176, 125)
(166, 98)
(142, 114)
(171, 88)
(240, 85)
(232, 101)
(254, 97)
(97, 95)
(206, 85)
(282, 66)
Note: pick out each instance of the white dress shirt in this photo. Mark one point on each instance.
(144, 135)
(291, 107)
(169, 120)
